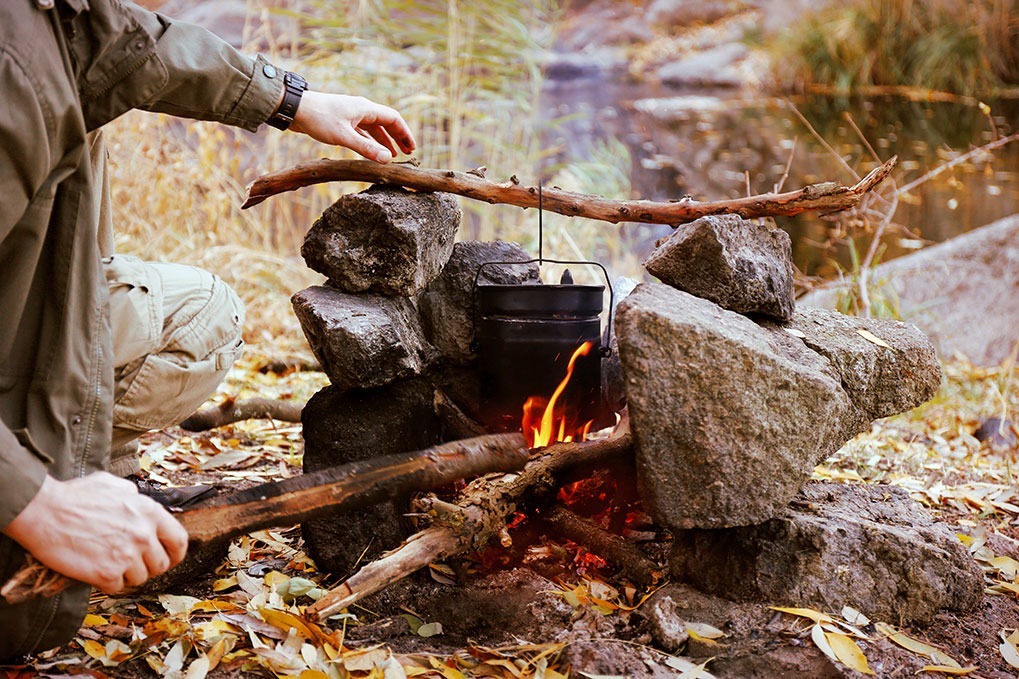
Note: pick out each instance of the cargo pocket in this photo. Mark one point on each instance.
(136, 308)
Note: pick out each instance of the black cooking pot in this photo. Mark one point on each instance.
(525, 336)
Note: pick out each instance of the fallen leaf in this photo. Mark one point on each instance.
(816, 616)
(848, 652)
(872, 338)
(910, 644)
(704, 631)
(944, 669)
(1008, 648)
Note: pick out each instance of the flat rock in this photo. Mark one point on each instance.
(960, 292)
(731, 416)
(740, 265)
(870, 547)
(447, 312)
(341, 427)
(384, 240)
(363, 341)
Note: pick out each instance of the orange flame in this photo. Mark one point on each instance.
(552, 426)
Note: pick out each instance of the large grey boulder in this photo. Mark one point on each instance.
(384, 240)
(740, 265)
(961, 292)
(341, 427)
(731, 416)
(363, 341)
(870, 547)
(447, 312)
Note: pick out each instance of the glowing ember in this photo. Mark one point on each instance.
(543, 423)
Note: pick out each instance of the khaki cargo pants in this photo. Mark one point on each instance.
(176, 332)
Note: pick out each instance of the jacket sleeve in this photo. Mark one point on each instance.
(24, 159)
(194, 74)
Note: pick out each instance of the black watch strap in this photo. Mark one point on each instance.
(293, 87)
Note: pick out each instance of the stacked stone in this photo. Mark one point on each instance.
(735, 395)
(392, 323)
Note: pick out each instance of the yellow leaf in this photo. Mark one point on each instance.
(213, 605)
(313, 674)
(95, 649)
(274, 578)
(287, 621)
(1007, 648)
(848, 652)
(810, 613)
(224, 584)
(820, 640)
(703, 631)
(872, 338)
(945, 669)
(911, 644)
(92, 620)
(984, 108)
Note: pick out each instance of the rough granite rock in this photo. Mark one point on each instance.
(758, 643)
(341, 427)
(739, 265)
(870, 547)
(363, 341)
(731, 416)
(960, 292)
(446, 310)
(385, 240)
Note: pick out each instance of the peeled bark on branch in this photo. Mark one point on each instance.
(304, 497)
(824, 197)
(249, 409)
(479, 514)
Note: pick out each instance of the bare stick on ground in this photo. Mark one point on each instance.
(231, 411)
(479, 514)
(284, 503)
(825, 197)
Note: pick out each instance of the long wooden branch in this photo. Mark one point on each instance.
(479, 514)
(825, 197)
(308, 496)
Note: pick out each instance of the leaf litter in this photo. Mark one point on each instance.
(248, 617)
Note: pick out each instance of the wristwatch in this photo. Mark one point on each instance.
(293, 87)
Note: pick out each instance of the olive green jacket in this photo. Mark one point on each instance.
(65, 70)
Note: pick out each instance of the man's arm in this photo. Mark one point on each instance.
(96, 529)
(210, 80)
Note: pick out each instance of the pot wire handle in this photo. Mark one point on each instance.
(606, 350)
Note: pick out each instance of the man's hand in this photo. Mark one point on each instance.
(372, 130)
(99, 530)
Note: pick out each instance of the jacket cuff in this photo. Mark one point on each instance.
(262, 95)
(22, 470)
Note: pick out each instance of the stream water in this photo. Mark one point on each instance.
(710, 145)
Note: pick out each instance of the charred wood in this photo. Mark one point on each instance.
(630, 560)
(304, 497)
(478, 514)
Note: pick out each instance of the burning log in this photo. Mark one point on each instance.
(231, 411)
(304, 497)
(478, 515)
(619, 551)
(825, 197)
